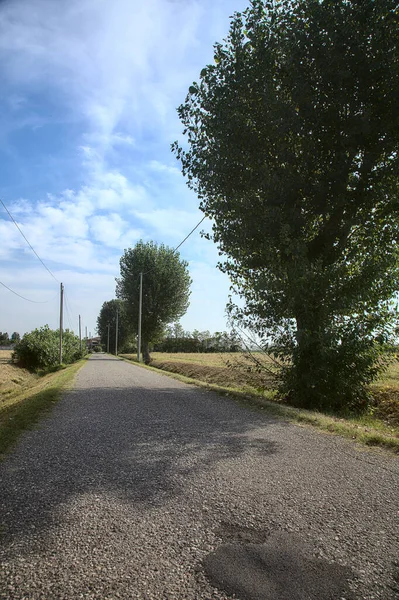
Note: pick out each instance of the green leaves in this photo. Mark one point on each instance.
(107, 317)
(293, 151)
(39, 349)
(166, 287)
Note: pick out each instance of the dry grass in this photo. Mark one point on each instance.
(386, 396)
(5, 356)
(13, 379)
(231, 369)
(390, 379)
(216, 359)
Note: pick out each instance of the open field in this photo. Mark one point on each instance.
(5, 356)
(239, 374)
(209, 359)
(224, 368)
(13, 379)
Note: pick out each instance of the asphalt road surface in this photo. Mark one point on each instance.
(137, 486)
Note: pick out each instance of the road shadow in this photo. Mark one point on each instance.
(142, 445)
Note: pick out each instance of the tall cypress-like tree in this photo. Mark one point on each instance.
(107, 317)
(293, 138)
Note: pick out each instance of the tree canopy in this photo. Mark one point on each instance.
(166, 288)
(292, 149)
(107, 317)
(39, 349)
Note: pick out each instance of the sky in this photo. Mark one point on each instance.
(87, 115)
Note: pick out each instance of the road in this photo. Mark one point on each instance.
(137, 486)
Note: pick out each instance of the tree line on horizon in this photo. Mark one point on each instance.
(173, 338)
(6, 340)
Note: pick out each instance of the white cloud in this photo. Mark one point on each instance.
(110, 59)
(160, 167)
(170, 222)
(114, 72)
(111, 230)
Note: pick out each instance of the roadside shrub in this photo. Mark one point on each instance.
(39, 349)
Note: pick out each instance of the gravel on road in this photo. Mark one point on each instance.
(138, 486)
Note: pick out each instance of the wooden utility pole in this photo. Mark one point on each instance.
(108, 338)
(61, 317)
(116, 333)
(140, 311)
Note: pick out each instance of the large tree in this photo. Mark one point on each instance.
(293, 151)
(166, 288)
(107, 317)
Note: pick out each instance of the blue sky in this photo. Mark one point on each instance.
(87, 116)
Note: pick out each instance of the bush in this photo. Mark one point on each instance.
(39, 349)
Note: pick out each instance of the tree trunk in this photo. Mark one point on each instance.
(146, 353)
(307, 363)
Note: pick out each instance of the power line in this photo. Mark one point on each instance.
(192, 231)
(141, 287)
(27, 241)
(181, 243)
(68, 312)
(23, 297)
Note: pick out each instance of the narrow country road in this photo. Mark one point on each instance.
(137, 486)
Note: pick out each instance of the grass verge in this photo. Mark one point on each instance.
(23, 410)
(365, 430)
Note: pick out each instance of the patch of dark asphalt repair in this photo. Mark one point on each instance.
(281, 568)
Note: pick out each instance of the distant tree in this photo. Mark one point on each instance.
(166, 288)
(15, 337)
(107, 317)
(293, 150)
(199, 342)
(4, 339)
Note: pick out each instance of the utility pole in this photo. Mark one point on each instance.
(108, 339)
(116, 333)
(80, 333)
(140, 311)
(61, 317)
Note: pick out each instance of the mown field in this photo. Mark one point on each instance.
(225, 369)
(240, 373)
(12, 378)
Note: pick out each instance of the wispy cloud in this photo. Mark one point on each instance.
(90, 89)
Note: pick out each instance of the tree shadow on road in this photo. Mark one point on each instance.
(140, 444)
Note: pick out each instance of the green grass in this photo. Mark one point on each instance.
(365, 429)
(22, 411)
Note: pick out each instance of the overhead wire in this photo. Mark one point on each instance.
(27, 299)
(27, 241)
(68, 312)
(192, 231)
(186, 238)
